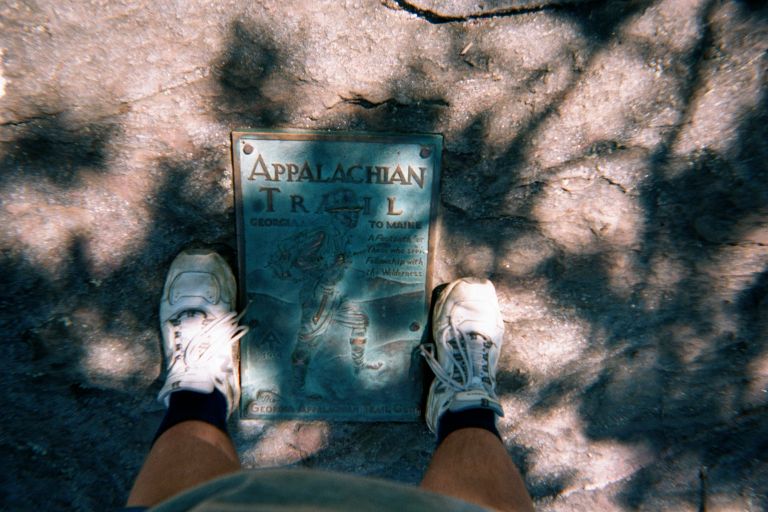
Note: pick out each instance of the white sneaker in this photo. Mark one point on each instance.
(199, 326)
(468, 331)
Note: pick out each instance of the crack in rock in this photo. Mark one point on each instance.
(438, 11)
(614, 184)
(703, 490)
(367, 104)
(30, 119)
(121, 107)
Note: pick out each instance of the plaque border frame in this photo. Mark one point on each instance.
(433, 233)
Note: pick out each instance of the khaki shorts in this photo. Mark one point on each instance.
(308, 490)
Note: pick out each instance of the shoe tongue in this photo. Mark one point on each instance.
(194, 331)
(190, 321)
(191, 313)
(476, 382)
(476, 349)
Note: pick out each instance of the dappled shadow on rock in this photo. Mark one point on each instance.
(60, 392)
(52, 150)
(249, 60)
(71, 367)
(686, 344)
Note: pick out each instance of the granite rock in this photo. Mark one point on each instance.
(605, 165)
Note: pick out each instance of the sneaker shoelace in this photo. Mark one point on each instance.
(470, 360)
(210, 332)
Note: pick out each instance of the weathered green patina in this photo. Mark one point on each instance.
(335, 235)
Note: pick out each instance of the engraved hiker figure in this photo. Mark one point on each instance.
(317, 259)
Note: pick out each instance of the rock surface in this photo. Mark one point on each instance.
(605, 165)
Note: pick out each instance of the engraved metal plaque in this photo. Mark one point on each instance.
(335, 238)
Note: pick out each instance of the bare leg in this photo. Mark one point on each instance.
(473, 465)
(187, 454)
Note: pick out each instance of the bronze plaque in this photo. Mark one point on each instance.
(336, 234)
